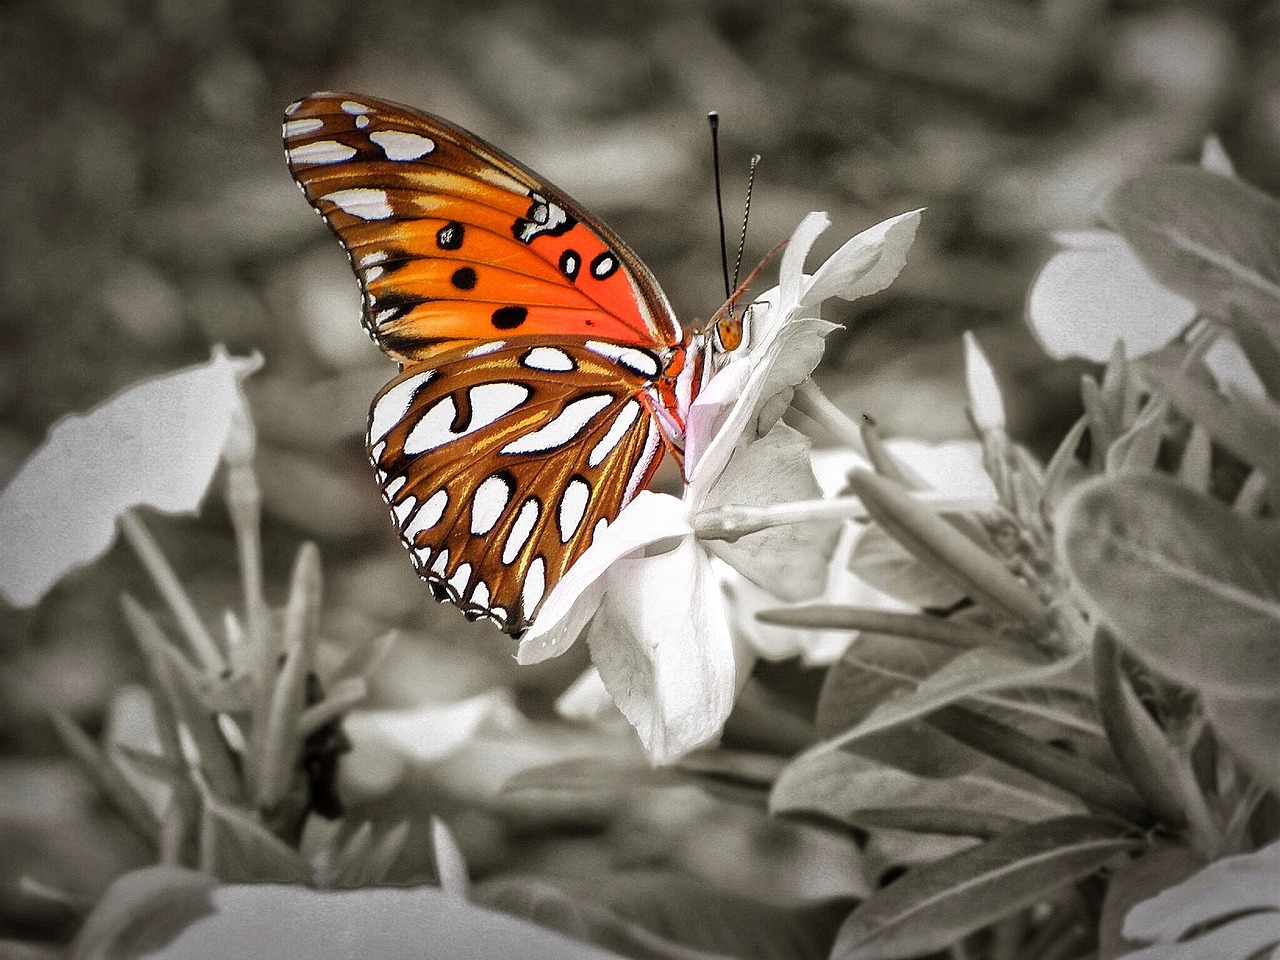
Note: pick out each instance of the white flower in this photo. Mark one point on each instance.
(1094, 292)
(156, 443)
(658, 633)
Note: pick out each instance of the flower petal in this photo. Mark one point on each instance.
(790, 560)
(985, 403)
(788, 360)
(154, 444)
(661, 643)
(791, 270)
(647, 519)
(1094, 292)
(867, 263)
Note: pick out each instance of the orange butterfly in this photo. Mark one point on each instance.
(542, 370)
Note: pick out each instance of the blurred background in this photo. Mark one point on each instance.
(149, 215)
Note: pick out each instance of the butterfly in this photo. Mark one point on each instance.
(543, 373)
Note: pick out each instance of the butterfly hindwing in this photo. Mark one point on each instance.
(452, 240)
(499, 464)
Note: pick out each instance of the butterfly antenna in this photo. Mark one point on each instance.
(746, 213)
(713, 119)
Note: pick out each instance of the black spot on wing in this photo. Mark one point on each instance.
(508, 318)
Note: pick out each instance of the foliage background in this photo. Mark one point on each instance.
(149, 215)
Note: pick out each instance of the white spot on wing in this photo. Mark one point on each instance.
(398, 145)
(363, 202)
(369, 259)
(390, 408)
(376, 453)
(293, 108)
(563, 429)
(631, 358)
(300, 128)
(621, 424)
(548, 358)
(535, 584)
(361, 122)
(372, 274)
(520, 530)
(601, 526)
(489, 402)
(441, 563)
(428, 515)
(480, 594)
(355, 108)
(432, 428)
(460, 577)
(573, 506)
(402, 509)
(394, 487)
(321, 151)
(488, 503)
(484, 348)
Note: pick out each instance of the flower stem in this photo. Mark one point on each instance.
(813, 403)
(734, 520)
(244, 502)
(170, 587)
(914, 625)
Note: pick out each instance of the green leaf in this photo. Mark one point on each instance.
(234, 845)
(285, 922)
(934, 905)
(1140, 745)
(451, 865)
(277, 735)
(1246, 431)
(878, 669)
(972, 673)
(1226, 891)
(840, 786)
(663, 915)
(1191, 587)
(1249, 727)
(109, 778)
(1135, 881)
(142, 911)
(1135, 450)
(1214, 239)
(1051, 764)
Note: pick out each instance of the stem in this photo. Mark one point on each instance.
(914, 625)
(170, 587)
(244, 502)
(947, 551)
(735, 520)
(813, 403)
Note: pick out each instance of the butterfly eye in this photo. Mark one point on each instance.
(734, 332)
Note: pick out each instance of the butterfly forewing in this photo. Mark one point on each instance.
(499, 466)
(454, 241)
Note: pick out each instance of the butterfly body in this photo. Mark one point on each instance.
(543, 373)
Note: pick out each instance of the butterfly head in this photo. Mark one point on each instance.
(731, 331)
